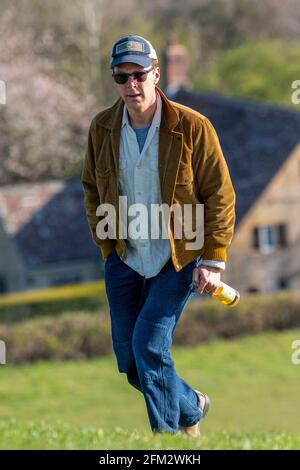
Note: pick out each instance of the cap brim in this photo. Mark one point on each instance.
(135, 59)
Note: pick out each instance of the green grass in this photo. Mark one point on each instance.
(253, 386)
(15, 435)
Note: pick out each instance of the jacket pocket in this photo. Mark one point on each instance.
(185, 174)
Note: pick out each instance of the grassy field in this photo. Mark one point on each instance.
(15, 435)
(251, 381)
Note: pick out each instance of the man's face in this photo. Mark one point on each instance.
(138, 96)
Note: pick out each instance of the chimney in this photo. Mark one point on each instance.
(175, 66)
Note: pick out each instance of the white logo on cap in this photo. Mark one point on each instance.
(130, 46)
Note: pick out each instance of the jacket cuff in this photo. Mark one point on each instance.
(217, 254)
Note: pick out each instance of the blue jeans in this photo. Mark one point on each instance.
(144, 313)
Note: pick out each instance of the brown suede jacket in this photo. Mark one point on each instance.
(192, 169)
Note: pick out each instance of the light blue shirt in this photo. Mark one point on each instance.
(139, 181)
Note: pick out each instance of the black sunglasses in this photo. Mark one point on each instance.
(122, 77)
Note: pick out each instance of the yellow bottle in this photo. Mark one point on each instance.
(226, 294)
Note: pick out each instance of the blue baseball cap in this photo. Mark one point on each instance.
(133, 49)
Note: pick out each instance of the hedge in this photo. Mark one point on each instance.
(18, 306)
(82, 335)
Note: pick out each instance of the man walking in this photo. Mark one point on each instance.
(155, 151)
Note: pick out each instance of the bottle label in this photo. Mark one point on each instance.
(227, 295)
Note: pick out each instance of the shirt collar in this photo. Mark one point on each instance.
(156, 118)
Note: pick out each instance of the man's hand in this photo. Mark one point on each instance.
(207, 279)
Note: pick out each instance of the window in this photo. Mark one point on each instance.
(282, 235)
(268, 238)
(283, 283)
(252, 290)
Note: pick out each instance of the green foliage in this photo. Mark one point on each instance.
(17, 306)
(66, 337)
(260, 71)
(254, 314)
(78, 334)
(16, 313)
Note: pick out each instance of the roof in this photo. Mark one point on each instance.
(256, 139)
(48, 222)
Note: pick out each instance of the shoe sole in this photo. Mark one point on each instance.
(206, 404)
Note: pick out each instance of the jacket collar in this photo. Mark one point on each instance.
(114, 120)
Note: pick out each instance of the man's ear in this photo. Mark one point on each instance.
(157, 75)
